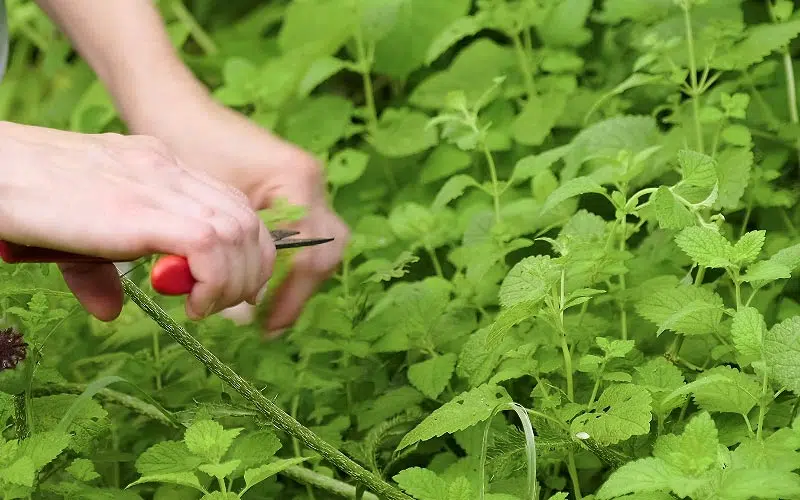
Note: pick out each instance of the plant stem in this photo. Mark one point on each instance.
(791, 93)
(495, 187)
(687, 19)
(200, 36)
(622, 284)
(436, 265)
(573, 474)
(157, 360)
(330, 485)
(524, 65)
(267, 407)
(21, 417)
(364, 69)
(762, 404)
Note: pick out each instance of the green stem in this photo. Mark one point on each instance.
(595, 388)
(573, 474)
(200, 36)
(622, 285)
(157, 360)
(328, 484)
(21, 417)
(366, 79)
(295, 407)
(687, 19)
(762, 404)
(436, 265)
(524, 65)
(266, 406)
(495, 187)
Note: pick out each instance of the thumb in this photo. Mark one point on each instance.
(97, 287)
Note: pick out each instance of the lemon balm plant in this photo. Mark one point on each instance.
(582, 211)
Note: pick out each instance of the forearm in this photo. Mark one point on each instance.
(125, 42)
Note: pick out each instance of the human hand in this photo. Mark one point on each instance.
(123, 197)
(211, 138)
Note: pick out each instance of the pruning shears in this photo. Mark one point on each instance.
(170, 274)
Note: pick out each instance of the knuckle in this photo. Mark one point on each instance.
(204, 237)
(308, 168)
(230, 230)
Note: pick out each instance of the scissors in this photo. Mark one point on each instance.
(170, 274)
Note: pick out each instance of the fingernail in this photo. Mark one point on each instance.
(260, 295)
(210, 309)
(274, 334)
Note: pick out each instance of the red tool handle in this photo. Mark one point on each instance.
(170, 275)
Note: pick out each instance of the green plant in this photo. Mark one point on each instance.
(584, 212)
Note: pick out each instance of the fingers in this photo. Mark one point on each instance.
(97, 287)
(311, 267)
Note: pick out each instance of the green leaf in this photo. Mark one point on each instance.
(323, 24)
(422, 484)
(697, 169)
(782, 353)
(737, 393)
(457, 30)
(643, 475)
(540, 114)
(319, 122)
(570, 189)
(706, 246)
(167, 457)
(737, 135)
(452, 189)
(684, 309)
(220, 470)
(761, 40)
(529, 281)
(407, 46)
(43, 448)
(402, 132)
(695, 450)
(266, 471)
(464, 411)
(209, 440)
(622, 411)
(379, 17)
(254, 448)
(346, 167)
(83, 470)
(565, 24)
(21, 472)
(180, 478)
(748, 247)
(661, 378)
(431, 376)
(747, 332)
(670, 212)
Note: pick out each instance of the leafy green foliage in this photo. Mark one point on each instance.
(588, 209)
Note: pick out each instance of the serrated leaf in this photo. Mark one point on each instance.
(760, 41)
(533, 124)
(734, 167)
(422, 484)
(20, 472)
(222, 469)
(570, 189)
(705, 246)
(737, 393)
(748, 247)
(255, 476)
(44, 447)
(782, 353)
(747, 332)
(685, 309)
(167, 457)
(180, 478)
(431, 376)
(402, 132)
(529, 281)
(661, 378)
(670, 212)
(452, 189)
(209, 440)
(464, 411)
(697, 169)
(622, 411)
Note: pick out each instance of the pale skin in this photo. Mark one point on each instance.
(187, 181)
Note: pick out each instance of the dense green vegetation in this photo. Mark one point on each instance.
(572, 219)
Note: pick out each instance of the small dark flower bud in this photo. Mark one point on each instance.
(13, 348)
